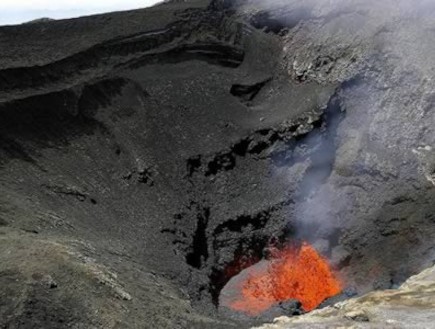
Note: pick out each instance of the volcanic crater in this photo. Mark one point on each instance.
(157, 164)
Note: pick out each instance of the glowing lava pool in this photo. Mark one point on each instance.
(297, 272)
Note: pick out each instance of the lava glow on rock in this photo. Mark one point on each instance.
(297, 272)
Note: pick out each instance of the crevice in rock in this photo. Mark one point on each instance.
(241, 148)
(193, 164)
(256, 221)
(221, 162)
(199, 247)
(146, 176)
(280, 144)
(280, 20)
(67, 191)
(247, 93)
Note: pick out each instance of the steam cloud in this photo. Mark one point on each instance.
(370, 155)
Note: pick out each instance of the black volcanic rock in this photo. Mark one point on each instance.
(40, 20)
(146, 156)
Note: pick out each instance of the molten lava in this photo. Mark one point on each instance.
(293, 273)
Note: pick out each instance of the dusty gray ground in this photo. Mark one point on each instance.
(145, 155)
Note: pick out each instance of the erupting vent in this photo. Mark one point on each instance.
(296, 272)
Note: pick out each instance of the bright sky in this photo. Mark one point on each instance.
(19, 11)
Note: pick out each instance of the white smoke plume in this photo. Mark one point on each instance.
(385, 48)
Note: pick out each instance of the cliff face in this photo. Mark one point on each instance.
(144, 153)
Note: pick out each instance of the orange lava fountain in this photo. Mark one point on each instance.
(293, 273)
